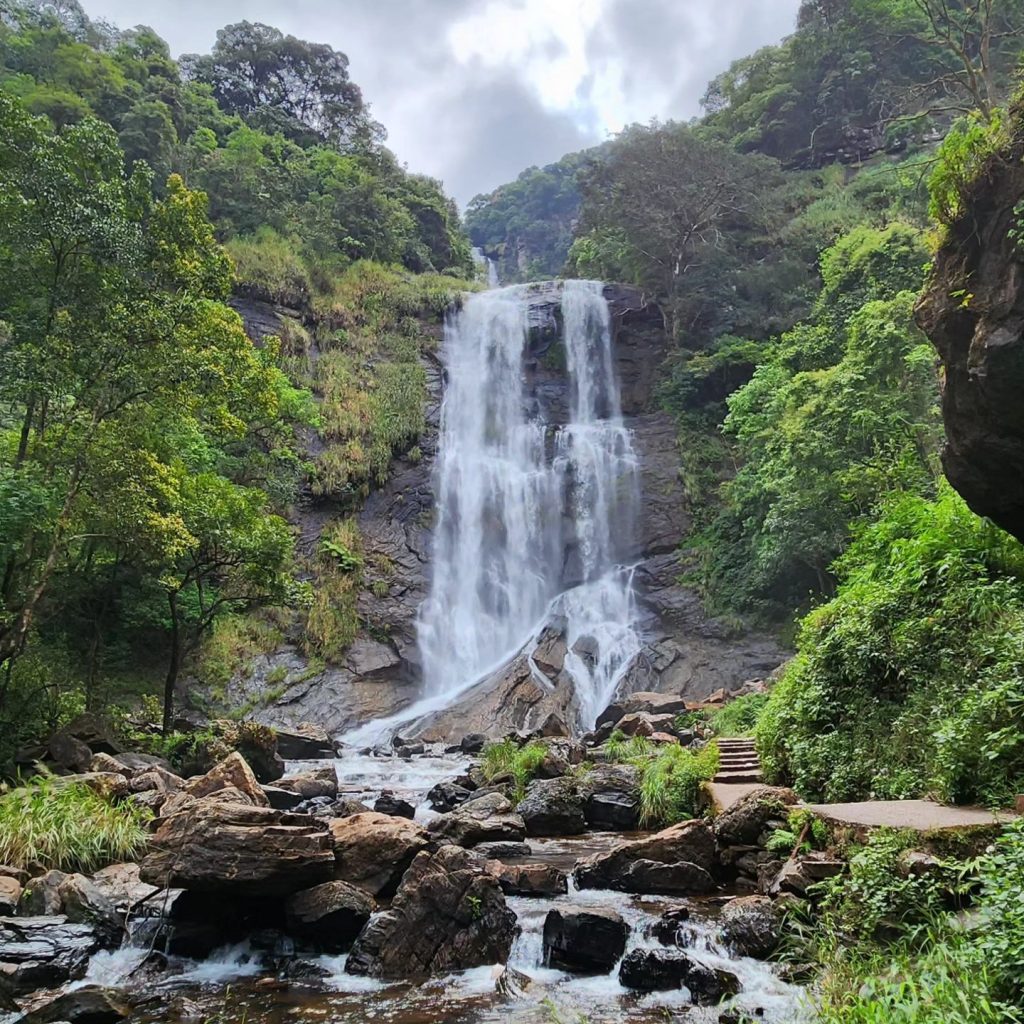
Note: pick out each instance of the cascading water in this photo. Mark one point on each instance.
(531, 527)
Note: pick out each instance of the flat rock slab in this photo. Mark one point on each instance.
(724, 794)
(920, 815)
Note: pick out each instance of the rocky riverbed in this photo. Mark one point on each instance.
(400, 885)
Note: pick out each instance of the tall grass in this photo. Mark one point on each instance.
(670, 776)
(67, 826)
(508, 758)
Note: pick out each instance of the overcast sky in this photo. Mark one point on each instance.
(474, 91)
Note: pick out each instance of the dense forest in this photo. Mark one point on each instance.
(157, 460)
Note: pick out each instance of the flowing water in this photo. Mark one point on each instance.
(533, 515)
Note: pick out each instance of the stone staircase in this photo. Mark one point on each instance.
(739, 764)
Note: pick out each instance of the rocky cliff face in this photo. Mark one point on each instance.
(973, 310)
(687, 653)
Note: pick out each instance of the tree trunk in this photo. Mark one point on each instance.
(175, 664)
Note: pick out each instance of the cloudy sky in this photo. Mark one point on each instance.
(473, 91)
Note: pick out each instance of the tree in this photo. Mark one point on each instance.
(119, 362)
(280, 83)
(229, 555)
(669, 210)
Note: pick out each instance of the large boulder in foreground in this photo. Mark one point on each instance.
(374, 850)
(553, 807)
(449, 914)
(689, 842)
(588, 941)
(213, 846)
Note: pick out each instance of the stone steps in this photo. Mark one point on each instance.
(738, 763)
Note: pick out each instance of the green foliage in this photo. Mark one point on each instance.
(965, 150)
(805, 832)
(842, 411)
(332, 620)
(739, 716)
(67, 826)
(947, 970)
(909, 682)
(509, 758)
(670, 776)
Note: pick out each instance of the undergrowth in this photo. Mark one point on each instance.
(67, 826)
(942, 967)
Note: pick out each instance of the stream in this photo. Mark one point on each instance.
(250, 985)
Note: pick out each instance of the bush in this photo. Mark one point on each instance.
(739, 716)
(67, 826)
(938, 972)
(670, 776)
(875, 703)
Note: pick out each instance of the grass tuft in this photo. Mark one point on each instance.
(68, 827)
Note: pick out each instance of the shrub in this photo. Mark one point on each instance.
(875, 703)
(67, 826)
(739, 716)
(937, 972)
(670, 776)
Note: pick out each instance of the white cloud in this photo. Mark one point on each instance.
(473, 91)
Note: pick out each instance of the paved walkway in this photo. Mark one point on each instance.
(920, 815)
(740, 773)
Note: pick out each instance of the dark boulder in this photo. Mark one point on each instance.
(752, 926)
(689, 841)
(304, 742)
(552, 807)
(41, 897)
(388, 803)
(449, 914)
(486, 818)
(670, 928)
(503, 851)
(43, 952)
(659, 970)
(446, 796)
(743, 823)
(473, 743)
(612, 797)
(282, 799)
(677, 879)
(331, 915)
(588, 941)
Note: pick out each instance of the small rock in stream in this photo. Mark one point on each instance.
(388, 803)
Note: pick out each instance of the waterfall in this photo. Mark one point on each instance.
(531, 518)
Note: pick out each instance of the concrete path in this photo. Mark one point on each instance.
(740, 773)
(920, 815)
